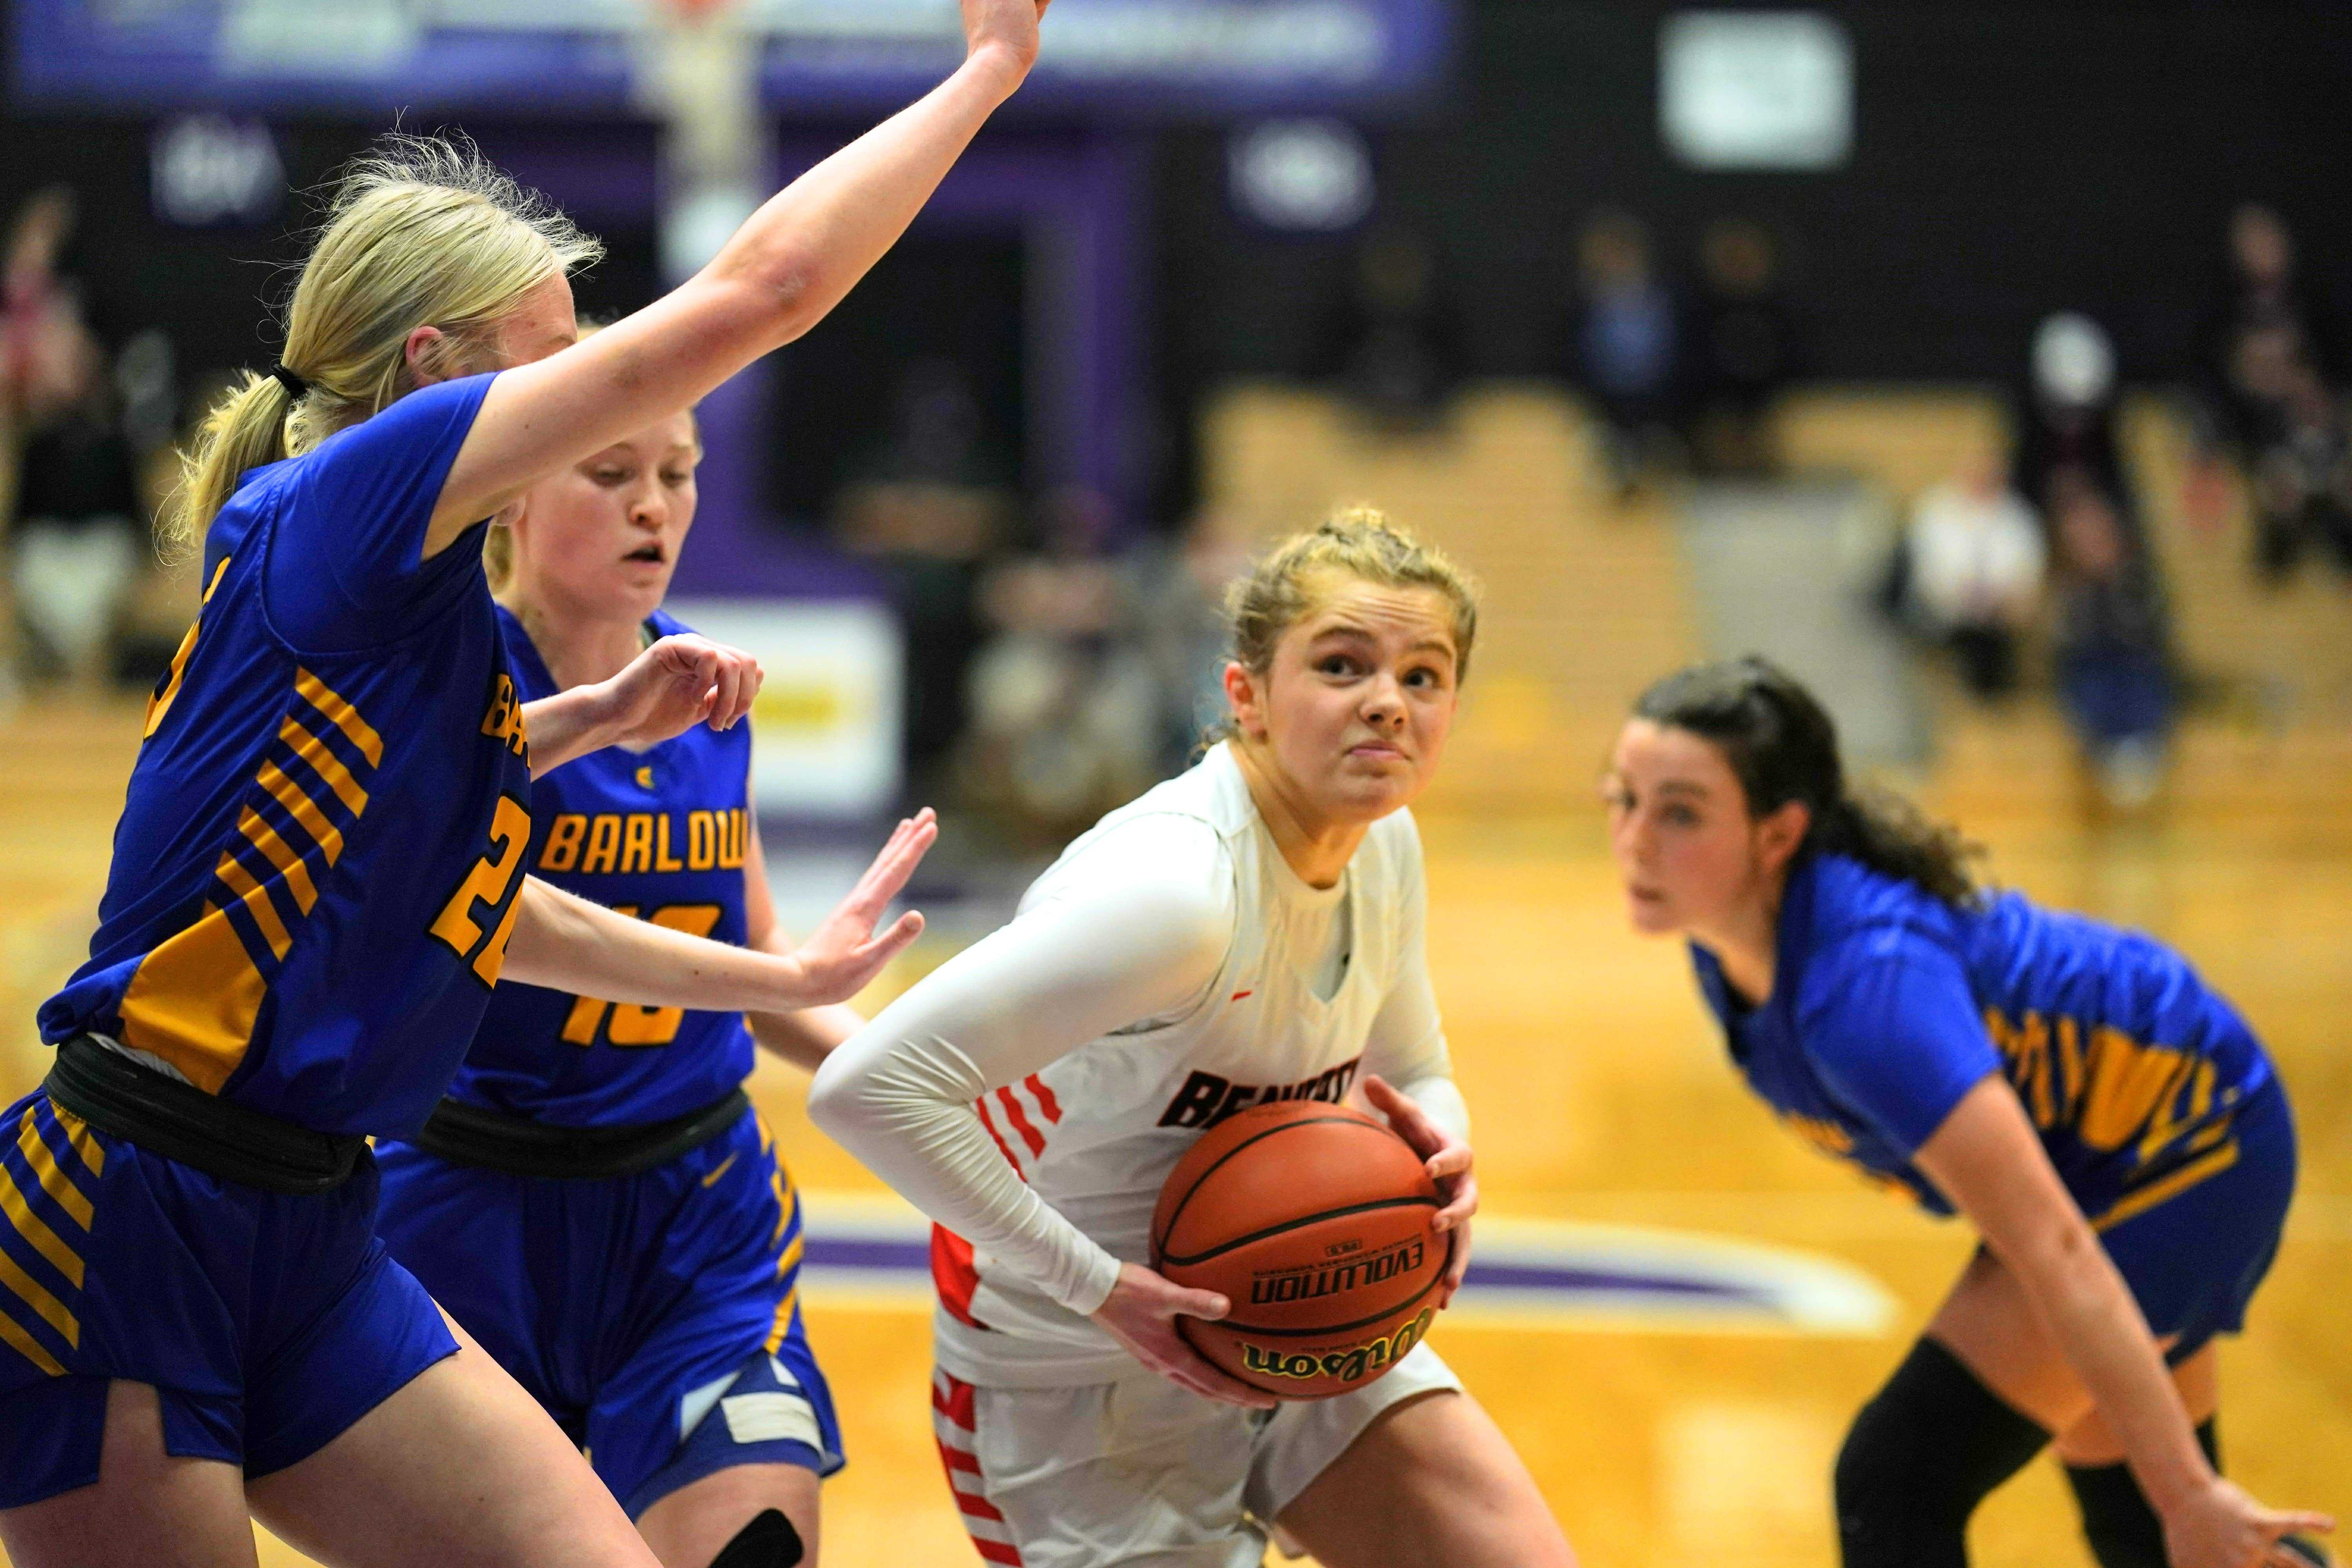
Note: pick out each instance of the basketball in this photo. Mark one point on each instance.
(1314, 1221)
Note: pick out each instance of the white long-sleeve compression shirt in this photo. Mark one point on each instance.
(1031, 1095)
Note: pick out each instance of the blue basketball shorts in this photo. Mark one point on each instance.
(657, 1317)
(2194, 1258)
(268, 1322)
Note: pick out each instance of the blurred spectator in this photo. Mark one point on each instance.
(2114, 646)
(929, 501)
(1066, 707)
(72, 490)
(37, 312)
(2272, 374)
(2066, 428)
(1184, 616)
(1395, 346)
(2114, 649)
(1625, 345)
(1975, 557)
(1744, 348)
(80, 520)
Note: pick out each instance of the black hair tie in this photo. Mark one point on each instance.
(294, 385)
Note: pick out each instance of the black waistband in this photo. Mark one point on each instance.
(469, 1135)
(181, 1123)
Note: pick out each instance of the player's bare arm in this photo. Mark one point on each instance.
(792, 262)
(568, 943)
(1987, 1159)
(679, 682)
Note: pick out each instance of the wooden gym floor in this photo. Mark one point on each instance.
(1601, 1095)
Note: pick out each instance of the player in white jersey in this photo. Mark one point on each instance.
(1249, 931)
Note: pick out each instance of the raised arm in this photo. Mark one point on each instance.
(1987, 1159)
(790, 264)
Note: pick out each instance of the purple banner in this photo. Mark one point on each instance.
(1120, 59)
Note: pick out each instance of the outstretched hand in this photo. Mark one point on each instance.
(1141, 1313)
(1010, 25)
(678, 683)
(2223, 1527)
(1448, 1160)
(845, 953)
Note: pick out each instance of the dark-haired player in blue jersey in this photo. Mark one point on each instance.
(2106, 1119)
(595, 1201)
(318, 877)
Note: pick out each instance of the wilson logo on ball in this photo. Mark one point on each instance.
(1349, 1366)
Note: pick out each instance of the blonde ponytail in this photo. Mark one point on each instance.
(246, 429)
(420, 231)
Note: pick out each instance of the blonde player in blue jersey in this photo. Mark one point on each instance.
(595, 1201)
(318, 877)
(2105, 1118)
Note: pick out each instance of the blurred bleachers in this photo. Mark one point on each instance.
(1589, 599)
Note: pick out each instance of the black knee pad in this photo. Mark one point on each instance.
(768, 1541)
(2122, 1531)
(1923, 1452)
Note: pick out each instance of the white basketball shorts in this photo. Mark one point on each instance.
(1140, 1470)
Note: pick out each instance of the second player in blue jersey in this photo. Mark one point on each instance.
(2105, 1118)
(595, 1201)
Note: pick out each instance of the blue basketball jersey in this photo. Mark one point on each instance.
(660, 835)
(1888, 1005)
(316, 869)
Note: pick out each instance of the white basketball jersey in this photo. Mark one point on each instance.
(1095, 1133)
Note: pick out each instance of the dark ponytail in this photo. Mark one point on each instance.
(1783, 746)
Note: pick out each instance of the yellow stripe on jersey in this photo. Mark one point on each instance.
(783, 1323)
(2140, 1201)
(26, 1345)
(36, 1295)
(256, 899)
(86, 1146)
(785, 1200)
(161, 703)
(45, 1171)
(792, 1297)
(276, 850)
(193, 1001)
(2129, 1083)
(20, 1213)
(342, 715)
(325, 834)
(325, 764)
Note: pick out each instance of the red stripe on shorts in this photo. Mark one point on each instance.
(977, 1507)
(952, 1398)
